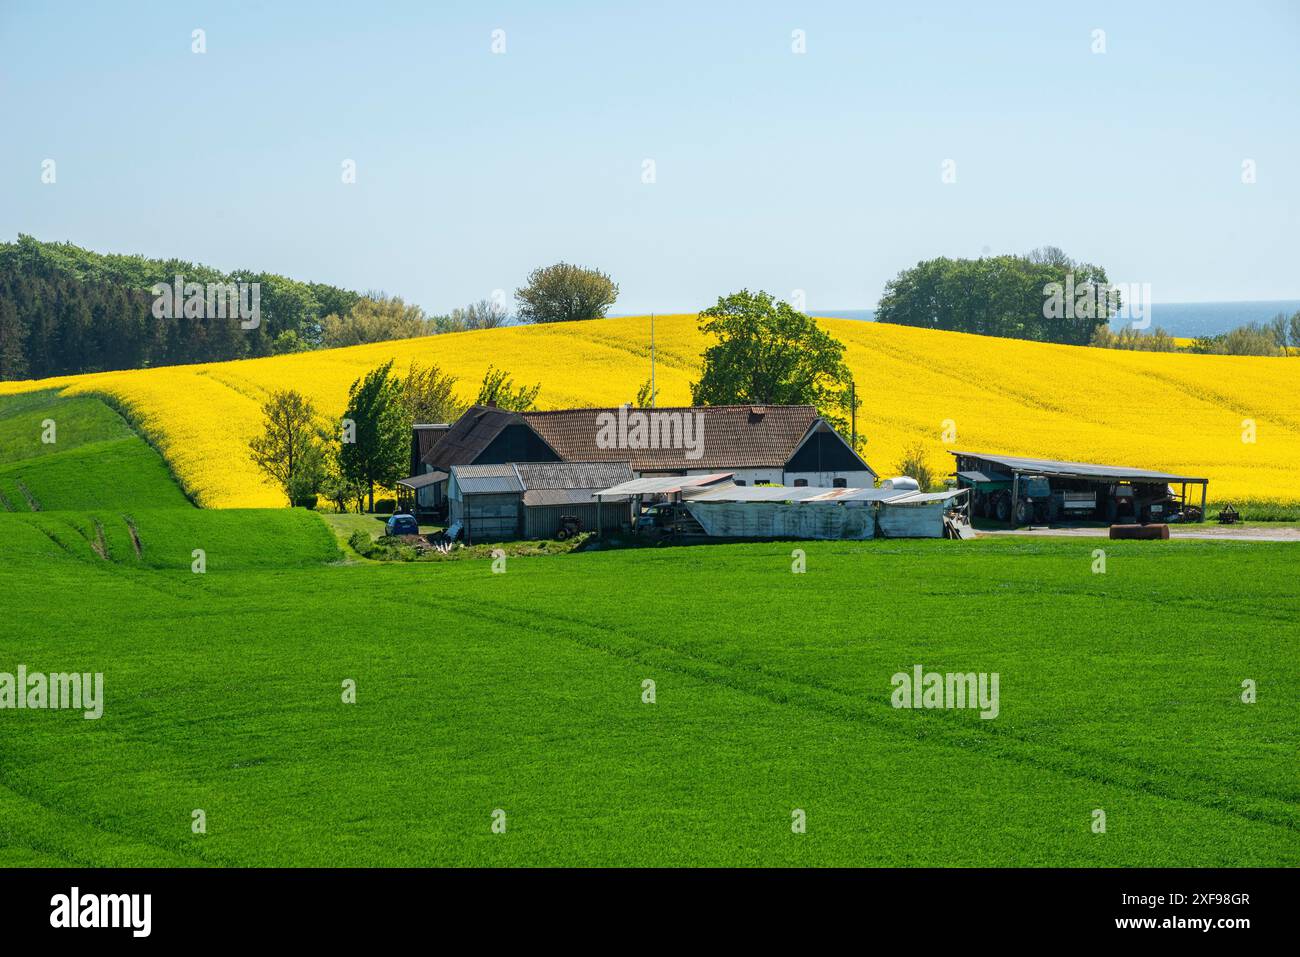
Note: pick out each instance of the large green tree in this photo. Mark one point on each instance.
(1044, 296)
(376, 445)
(565, 293)
(288, 448)
(768, 353)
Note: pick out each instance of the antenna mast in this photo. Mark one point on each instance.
(652, 360)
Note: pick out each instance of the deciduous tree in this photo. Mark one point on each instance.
(565, 293)
(768, 353)
(379, 451)
(288, 448)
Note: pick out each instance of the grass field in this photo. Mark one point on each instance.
(1179, 412)
(94, 457)
(522, 691)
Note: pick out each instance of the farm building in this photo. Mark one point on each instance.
(532, 500)
(715, 507)
(783, 444)
(1019, 490)
(422, 494)
(789, 445)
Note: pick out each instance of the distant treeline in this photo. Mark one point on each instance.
(66, 310)
(1280, 336)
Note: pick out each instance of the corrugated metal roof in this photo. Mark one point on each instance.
(874, 494)
(486, 479)
(921, 498)
(1079, 469)
(763, 493)
(573, 475)
(559, 496)
(664, 484)
(819, 495)
(976, 477)
(420, 481)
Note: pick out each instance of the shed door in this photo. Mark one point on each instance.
(493, 517)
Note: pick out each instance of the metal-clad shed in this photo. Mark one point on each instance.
(556, 490)
(530, 499)
(485, 500)
(915, 514)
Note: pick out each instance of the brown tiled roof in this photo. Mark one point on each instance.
(469, 436)
(735, 436)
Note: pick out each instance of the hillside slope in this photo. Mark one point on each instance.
(65, 453)
(1178, 412)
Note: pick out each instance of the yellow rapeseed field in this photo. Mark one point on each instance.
(1184, 413)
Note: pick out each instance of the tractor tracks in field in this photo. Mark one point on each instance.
(939, 726)
(63, 850)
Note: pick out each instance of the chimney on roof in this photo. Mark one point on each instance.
(757, 411)
(491, 403)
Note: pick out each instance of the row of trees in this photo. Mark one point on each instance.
(1279, 336)
(345, 460)
(67, 310)
(1271, 338)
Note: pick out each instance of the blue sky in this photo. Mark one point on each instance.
(818, 171)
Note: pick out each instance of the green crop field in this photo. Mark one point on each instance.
(523, 692)
(76, 453)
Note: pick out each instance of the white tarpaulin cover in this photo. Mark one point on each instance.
(777, 520)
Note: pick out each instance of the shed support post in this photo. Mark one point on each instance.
(1204, 487)
(1015, 497)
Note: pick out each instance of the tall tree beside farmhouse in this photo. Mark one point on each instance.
(380, 432)
(1044, 296)
(565, 293)
(499, 389)
(288, 448)
(430, 394)
(768, 353)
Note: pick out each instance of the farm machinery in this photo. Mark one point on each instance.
(1035, 499)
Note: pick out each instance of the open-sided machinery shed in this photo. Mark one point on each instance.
(1020, 490)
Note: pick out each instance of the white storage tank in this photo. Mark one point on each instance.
(901, 483)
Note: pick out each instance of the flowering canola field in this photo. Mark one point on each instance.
(1184, 413)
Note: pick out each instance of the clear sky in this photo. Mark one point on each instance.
(818, 171)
